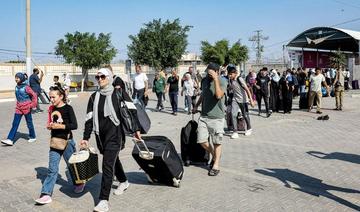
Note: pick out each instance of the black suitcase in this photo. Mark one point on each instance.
(191, 151)
(157, 156)
(303, 101)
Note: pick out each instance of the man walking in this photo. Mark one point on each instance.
(173, 88)
(211, 122)
(316, 80)
(339, 83)
(262, 85)
(158, 89)
(195, 81)
(140, 85)
(241, 95)
(34, 82)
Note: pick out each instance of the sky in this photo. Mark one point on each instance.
(212, 20)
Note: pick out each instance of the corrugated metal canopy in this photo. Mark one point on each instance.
(327, 38)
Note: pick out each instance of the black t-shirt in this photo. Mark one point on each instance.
(63, 115)
(174, 84)
(263, 82)
(302, 78)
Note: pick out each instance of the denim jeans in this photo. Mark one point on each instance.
(53, 170)
(173, 96)
(15, 126)
(139, 95)
(243, 107)
(159, 102)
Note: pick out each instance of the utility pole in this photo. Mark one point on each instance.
(28, 39)
(257, 38)
(241, 64)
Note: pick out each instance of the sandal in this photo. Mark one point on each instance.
(211, 164)
(213, 172)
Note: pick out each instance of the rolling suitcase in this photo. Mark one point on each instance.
(191, 151)
(241, 124)
(157, 156)
(303, 101)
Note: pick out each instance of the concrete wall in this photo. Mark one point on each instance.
(8, 71)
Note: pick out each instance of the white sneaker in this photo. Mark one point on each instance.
(186, 109)
(7, 142)
(248, 132)
(102, 206)
(32, 140)
(121, 188)
(234, 135)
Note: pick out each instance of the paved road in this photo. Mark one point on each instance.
(290, 163)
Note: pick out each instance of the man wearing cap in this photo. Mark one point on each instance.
(212, 118)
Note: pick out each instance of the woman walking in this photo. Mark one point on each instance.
(26, 99)
(103, 117)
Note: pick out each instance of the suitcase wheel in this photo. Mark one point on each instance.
(176, 183)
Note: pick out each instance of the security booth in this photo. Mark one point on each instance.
(314, 47)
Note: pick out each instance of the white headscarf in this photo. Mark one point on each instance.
(108, 106)
(274, 75)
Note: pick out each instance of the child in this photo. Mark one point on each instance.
(188, 88)
(56, 81)
(26, 99)
(61, 121)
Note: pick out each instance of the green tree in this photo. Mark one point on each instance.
(220, 52)
(159, 45)
(337, 59)
(86, 51)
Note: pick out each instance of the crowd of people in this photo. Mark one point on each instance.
(221, 92)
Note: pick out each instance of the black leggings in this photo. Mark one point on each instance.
(111, 165)
(262, 95)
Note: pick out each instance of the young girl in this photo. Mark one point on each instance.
(61, 121)
(26, 99)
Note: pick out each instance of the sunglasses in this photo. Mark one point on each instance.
(98, 77)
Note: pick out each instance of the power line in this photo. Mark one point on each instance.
(347, 4)
(345, 22)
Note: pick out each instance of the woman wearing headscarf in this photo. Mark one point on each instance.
(274, 91)
(103, 117)
(26, 99)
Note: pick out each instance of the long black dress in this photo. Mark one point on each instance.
(274, 96)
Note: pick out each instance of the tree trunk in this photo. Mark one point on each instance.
(84, 78)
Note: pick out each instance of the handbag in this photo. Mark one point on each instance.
(83, 165)
(58, 143)
(128, 116)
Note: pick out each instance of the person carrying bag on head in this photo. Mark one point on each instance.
(105, 119)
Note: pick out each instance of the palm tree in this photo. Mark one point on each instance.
(337, 59)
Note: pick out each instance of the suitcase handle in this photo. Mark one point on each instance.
(146, 155)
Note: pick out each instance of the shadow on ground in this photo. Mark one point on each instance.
(93, 186)
(352, 158)
(309, 185)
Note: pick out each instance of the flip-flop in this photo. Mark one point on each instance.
(213, 172)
